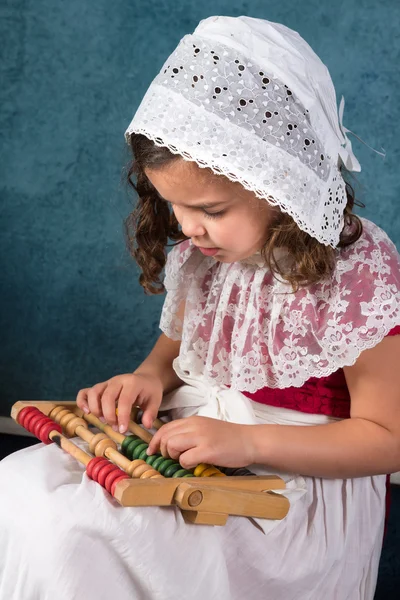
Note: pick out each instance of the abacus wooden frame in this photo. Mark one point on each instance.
(202, 500)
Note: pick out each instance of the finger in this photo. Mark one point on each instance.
(109, 402)
(93, 398)
(127, 398)
(150, 409)
(191, 458)
(178, 444)
(81, 400)
(165, 430)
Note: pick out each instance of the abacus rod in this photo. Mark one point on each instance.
(114, 435)
(134, 427)
(111, 453)
(134, 468)
(64, 443)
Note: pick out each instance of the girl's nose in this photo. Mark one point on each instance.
(191, 224)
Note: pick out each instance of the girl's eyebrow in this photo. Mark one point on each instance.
(203, 205)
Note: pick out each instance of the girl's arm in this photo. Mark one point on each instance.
(159, 363)
(366, 444)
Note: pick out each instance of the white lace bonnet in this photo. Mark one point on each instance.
(252, 101)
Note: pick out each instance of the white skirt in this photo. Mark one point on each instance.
(62, 536)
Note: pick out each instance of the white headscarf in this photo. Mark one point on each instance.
(252, 101)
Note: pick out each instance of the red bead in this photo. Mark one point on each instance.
(91, 464)
(114, 483)
(104, 472)
(45, 429)
(25, 416)
(97, 468)
(112, 477)
(36, 424)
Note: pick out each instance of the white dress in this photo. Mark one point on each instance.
(63, 536)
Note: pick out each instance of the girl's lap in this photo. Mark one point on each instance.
(63, 534)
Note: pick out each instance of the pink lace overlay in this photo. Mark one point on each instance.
(326, 396)
(245, 329)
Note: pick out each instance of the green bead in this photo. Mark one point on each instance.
(181, 473)
(139, 449)
(143, 454)
(167, 463)
(132, 446)
(126, 442)
(158, 462)
(150, 459)
(171, 470)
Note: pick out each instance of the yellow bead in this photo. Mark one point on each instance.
(209, 472)
(199, 469)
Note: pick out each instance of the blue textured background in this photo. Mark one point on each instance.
(73, 74)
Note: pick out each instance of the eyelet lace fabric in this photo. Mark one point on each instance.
(214, 105)
(245, 329)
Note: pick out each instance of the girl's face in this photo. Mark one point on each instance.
(222, 218)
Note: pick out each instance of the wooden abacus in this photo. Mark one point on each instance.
(205, 495)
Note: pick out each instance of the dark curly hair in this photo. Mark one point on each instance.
(150, 226)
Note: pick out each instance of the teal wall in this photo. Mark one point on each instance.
(72, 75)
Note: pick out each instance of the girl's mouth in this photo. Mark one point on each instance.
(208, 251)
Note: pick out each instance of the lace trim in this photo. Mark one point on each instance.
(244, 329)
(213, 106)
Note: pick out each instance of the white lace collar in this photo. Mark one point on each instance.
(245, 329)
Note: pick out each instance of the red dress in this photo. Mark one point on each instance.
(325, 395)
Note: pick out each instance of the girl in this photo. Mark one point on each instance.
(279, 346)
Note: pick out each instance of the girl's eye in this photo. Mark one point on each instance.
(213, 215)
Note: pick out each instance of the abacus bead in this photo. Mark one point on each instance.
(126, 442)
(167, 463)
(91, 464)
(138, 449)
(182, 473)
(171, 470)
(73, 424)
(104, 472)
(199, 469)
(95, 440)
(143, 454)
(132, 447)
(98, 467)
(209, 472)
(242, 471)
(138, 472)
(133, 465)
(32, 420)
(150, 459)
(150, 473)
(117, 480)
(29, 415)
(23, 415)
(136, 441)
(36, 425)
(111, 477)
(158, 462)
(102, 446)
(45, 430)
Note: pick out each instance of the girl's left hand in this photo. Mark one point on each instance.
(197, 440)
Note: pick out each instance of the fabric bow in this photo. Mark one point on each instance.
(346, 152)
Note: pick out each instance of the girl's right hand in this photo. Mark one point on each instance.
(126, 390)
